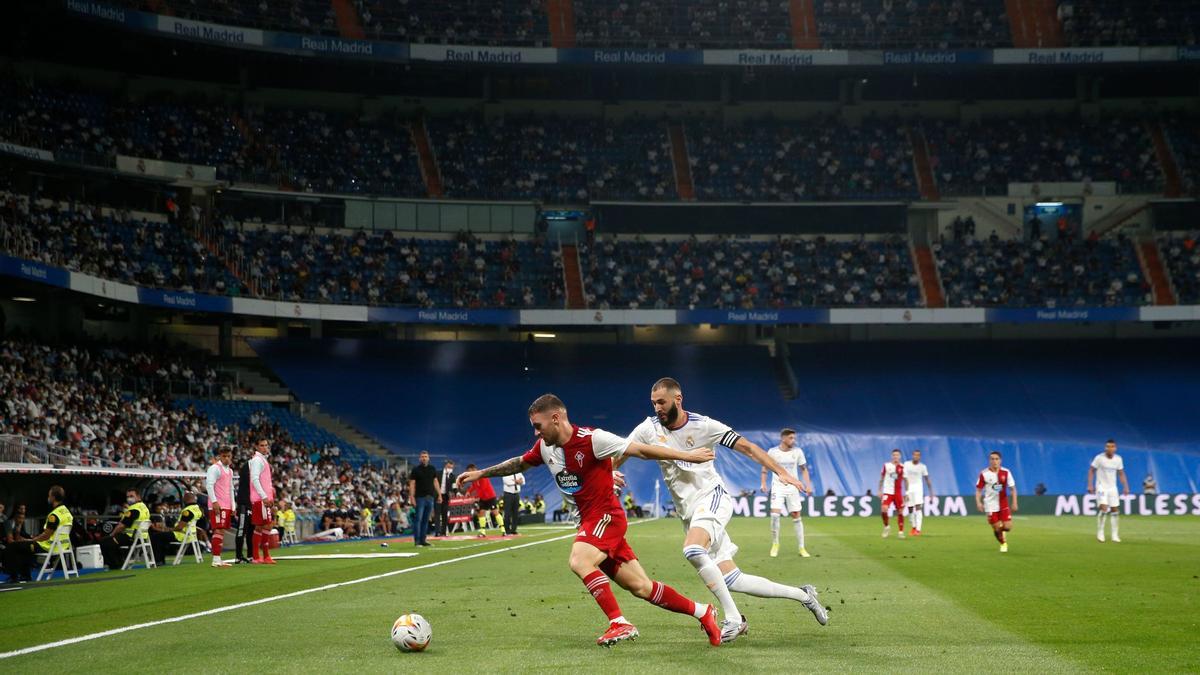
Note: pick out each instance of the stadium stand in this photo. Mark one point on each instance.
(319, 151)
(555, 160)
(100, 404)
(383, 269)
(297, 16)
(683, 24)
(912, 24)
(1182, 132)
(475, 22)
(772, 160)
(1088, 23)
(983, 157)
(1182, 260)
(1058, 273)
(726, 273)
(140, 249)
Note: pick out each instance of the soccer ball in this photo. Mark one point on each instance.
(411, 633)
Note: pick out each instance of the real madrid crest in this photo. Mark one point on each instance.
(690, 442)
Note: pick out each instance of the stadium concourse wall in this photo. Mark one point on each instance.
(87, 284)
(399, 52)
(1048, 407)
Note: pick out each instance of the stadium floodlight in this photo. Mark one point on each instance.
(23, 298)
(1049, 204)
(547, 336)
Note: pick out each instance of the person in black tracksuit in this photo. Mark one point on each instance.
(242, 507)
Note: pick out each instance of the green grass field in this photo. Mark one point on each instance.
(949, 601)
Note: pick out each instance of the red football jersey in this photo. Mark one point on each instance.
(583, 469)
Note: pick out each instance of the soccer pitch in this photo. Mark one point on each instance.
(948, 601)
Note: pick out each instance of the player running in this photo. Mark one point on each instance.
(704, 504)
(218, 482)
(917, 475)
(784, 497)
(262, 502)
(580, 459)
(891, 493)
(991, 497)
(1102, 481)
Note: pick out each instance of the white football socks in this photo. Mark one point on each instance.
(774, 528)
(749, 584)
(711, 576)
(798, 524)
(918, 518)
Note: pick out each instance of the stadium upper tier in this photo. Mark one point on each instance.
(727, 274)
(682, 24)
(575, 160)
(1058, 270)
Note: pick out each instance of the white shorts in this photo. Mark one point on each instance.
(914, 498)
(1108, 498)
(711, 513)
(786, 499)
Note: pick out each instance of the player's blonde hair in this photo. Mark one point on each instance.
(546, 403)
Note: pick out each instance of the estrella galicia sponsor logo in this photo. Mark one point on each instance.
(568, 482)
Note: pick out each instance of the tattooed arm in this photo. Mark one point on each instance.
(506, 468)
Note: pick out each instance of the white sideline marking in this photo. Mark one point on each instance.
(346, 556)
(261, 601)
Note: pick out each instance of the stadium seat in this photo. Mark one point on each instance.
(140, 550)
(60, 552)
(190, 542)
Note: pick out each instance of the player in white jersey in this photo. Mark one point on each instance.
(1102, 481)
(784, 497)
(918, 477)
(705, 506)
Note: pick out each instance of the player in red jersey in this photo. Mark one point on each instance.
(891, 492)
(580, 460)
(485, 496)
(992, 495)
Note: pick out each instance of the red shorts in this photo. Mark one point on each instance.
(998, 516)
(261, 514)
(607, 533)
(892, 500)
(219, 519)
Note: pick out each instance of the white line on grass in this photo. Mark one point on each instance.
(261, 601)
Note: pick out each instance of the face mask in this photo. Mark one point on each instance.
(131, 500)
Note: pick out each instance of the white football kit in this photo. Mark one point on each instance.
(915, 493)
(699, 493)
(786, 498)
(1106, 479)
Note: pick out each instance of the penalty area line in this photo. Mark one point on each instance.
(262, 601)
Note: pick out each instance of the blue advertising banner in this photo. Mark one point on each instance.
(1065, 314)
(325, 45)
(630, 57)
(34, 271)
(491, 317)
(1189, 54)
(926, 57)
(752, 316)
(185, 301)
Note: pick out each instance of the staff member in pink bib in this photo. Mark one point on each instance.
(218, 482)
(262, 502)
